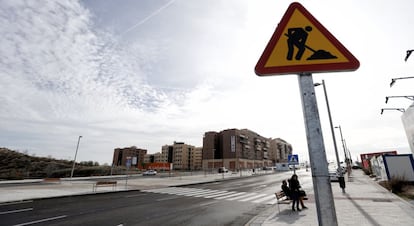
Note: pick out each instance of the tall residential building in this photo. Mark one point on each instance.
(280, 149)
(183, 156)
(237, 149)
(132, 154)
(196, 159)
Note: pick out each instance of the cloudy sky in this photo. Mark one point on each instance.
(151, 72)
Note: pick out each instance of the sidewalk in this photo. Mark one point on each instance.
(364, 203)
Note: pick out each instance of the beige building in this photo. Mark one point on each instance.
(239, 149)
(196, 159)
(182, 156)
(151, 158)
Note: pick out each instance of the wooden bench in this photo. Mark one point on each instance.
(104, 184)
(282, 199)
(51, 180)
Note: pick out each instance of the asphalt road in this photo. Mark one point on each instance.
(231, 202)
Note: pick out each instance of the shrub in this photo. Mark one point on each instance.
(396, 184)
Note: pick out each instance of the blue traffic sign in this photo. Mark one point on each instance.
(293, 160)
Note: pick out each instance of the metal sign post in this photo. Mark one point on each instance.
(319, 164)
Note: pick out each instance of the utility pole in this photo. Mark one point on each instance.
(321, 181)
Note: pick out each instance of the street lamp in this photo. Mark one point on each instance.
(343, 145)
(395, 79)
(341, 176)
(397, 109)
(74, 160)
(408, 54)
(408, 97)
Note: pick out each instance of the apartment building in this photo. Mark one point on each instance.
(279, 150)
(182, 156)
(238, 149)
(133, 155)
(196, 159)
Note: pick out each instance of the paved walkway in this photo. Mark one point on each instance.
(365, 202)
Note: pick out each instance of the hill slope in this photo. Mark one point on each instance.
(16, 165)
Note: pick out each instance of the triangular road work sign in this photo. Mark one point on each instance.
(301, 44)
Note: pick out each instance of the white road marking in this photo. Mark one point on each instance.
(232, 195)
(16, 211)
(15, 203)
(251, 198)
(215, 194)
(242, 196)
(42, 220)
(269, 197)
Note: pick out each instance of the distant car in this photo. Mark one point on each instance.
(223, 170)
(150, 173)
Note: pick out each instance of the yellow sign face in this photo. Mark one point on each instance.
(315, 42)
(301, 44)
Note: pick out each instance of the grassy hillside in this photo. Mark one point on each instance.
(16, 165)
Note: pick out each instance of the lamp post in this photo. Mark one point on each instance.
(343, 145)
(222, 163)
(408, 97)
(213, 158)
(74, 160)
(395, 79)
(341, 176)
(397, 109)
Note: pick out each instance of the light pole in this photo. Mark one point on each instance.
(343, 145)
(213, 158)
(341, 176)
(408, 97)
(408, 54)
(397, 109)
(74, 160)
(222, 163)
(395, 79)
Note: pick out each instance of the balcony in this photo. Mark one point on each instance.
(243, 141)
(243, 137)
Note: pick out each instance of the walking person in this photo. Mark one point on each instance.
(296, 194)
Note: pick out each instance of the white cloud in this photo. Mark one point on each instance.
(130, 74)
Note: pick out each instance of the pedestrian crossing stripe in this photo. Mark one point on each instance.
(217, 194)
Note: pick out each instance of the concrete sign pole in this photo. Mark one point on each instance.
(319, 164)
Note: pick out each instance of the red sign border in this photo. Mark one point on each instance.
(261, 70)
